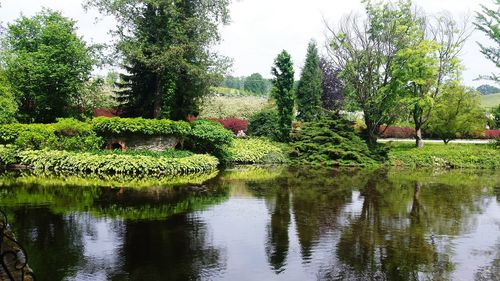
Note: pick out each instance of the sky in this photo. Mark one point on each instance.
(260, 29)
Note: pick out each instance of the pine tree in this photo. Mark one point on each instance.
(309, 90)
(283, 92)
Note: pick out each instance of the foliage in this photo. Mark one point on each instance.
(255, 151)
(488, 89)
(255, 84)
(166, 47)
(208, 137)
(169, 153)
(309, 90)
(490, 101)
(76, 163)
(118, 126)
(8, 104)
(332, 87)
(329, 142)
(8, 155)
(457, 113)
(487, 21)
(47, 65)
(97, 94)
(222, 107)
(496, 116)
(66, 134)
(445, 156)
(264, 124)
(282, 91)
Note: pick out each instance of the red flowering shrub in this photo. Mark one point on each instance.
(396, 132)
(233, 124)
(492, 134)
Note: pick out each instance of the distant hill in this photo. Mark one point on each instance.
(488, 90)
(490, 101)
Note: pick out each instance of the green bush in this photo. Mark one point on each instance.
(330, 142)
(172, 153)
(264, 124)
(117, 126)
(255, 151)
(209, 137)
(8, 155)
(66, 134)
(445, 156)
(72, 162)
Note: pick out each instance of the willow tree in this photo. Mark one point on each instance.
(166, 51)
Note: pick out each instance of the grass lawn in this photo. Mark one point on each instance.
(490, 101)
(484, 156)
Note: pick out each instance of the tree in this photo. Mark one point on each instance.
(166, 50)
(496, 116)
(364, 51)
(332, 88)
(457, 113)
(488, 21)
(47, 65)
(282, 91)
(255, 84)
(309, 90)
(8, 105)
(415, 70)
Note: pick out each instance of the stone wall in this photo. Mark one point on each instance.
(142, 142)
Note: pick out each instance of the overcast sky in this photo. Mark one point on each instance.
(260, 29)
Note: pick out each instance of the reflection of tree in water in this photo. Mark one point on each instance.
(53, 241)
(386, 241)
(277, 231)
(492, 271)
(178, 248)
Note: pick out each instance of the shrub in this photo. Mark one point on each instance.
(264, 124)
(492, 134)
(255, 151)
(72, 162)
(118, 126)
(233, 124)
(397, 132)
(8, 155)
(208, 137)
(330, 142)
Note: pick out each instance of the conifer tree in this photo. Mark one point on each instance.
(283, 92)
(309, 90)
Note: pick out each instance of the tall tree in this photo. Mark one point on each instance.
(47, 65)
(364, 51)
(309, 89)
(332, 97)
(282, 91)
(255, 84)
(166, 51)
(8, 104)
(488, 21)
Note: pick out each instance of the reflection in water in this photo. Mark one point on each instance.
(298, 225)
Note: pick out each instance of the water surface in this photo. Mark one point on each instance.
(264, 224)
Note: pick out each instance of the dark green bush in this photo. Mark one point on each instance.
(264, 124)
(117, 126)
(330, 142)
(76, 163)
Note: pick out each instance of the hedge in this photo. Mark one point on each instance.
(76, 163)
(118, 126)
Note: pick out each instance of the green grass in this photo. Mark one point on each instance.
(482, 156)
(237, 106)
(490, 101)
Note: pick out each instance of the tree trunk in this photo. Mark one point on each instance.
(157, 99)
(419, 141)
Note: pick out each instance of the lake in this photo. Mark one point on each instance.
(263, 223)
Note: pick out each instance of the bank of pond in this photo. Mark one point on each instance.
(267, 222)
(147, 147)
